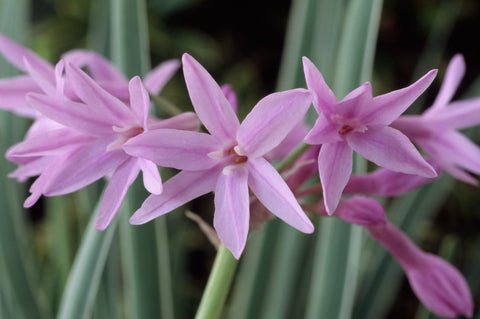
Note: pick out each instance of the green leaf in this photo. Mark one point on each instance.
(82, 285)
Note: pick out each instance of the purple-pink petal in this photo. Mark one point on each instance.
(93, 95)
(211, 105)
(151, 176)
(178, 190)
(458, 115)
(97, 66)
(324, 131)
(72, 114)
(83, 167)
(13, 91)
(354, 103)
(271, 120)
(386, 108)
(335, 168)
(45, 80)
(389, 148)
(115, 192)
(185, 121)
(273, 192)
(323, 97)
(139, 100)
(15, 53)
(451, 81)
(231, 218)
(359, 210)
(174, 148)
(231, 96)
(159, 76)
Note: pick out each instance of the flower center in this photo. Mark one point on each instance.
(345, 129)
(238, 158)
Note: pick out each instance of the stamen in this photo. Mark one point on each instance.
(345, 129)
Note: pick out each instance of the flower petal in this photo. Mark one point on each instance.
(231, 96)
(323, 97)
(271, 120)
(272, 191)
(386, 108)
(97, 66)
(159, 76)
(335, 168)
(53, 142)
(389, 148)
(32, 168)
(115, 192)
(231, 219)
(174, 148)
(354, 103)
(139, 100)
(178, 190)
(151, 177)
(324, 131)
(209, 102)
(185, 121)
(457, 115)
(451, 81)
(84, 167)
(13, 91)
(359, 210)
(455, 148)
(14, 53)
(71, 114)
(44, 79)
(93, 95)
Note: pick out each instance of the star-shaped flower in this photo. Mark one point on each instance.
(435, 131)
(229, 160)
(360, 123)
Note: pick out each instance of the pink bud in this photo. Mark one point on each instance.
(438, 285)
(358, 210)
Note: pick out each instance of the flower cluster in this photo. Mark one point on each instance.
(90, 122)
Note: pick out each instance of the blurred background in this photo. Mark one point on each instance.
(241, 43)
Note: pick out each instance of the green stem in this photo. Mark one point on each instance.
(296, 153)
(218, 285)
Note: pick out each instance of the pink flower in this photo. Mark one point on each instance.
(435, 130)
(438, 285)
(85, 143)
(361, 123)
(229, 161)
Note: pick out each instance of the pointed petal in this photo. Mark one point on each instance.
(14, 53)
(232, 213)
(231, 96)
(94, 96)
(115, 192)
(97, 66)
(389, 148)
(53, 142)
(151, 177)
(158, 77)
(178, 190)
(185, 121)
(292, 140)
(174, 148)
(32, 168)
(324, 131)
(335, 168)
(272, 191)
(210, 103)
(354, 103)
(139, 100)
(386, 108)
(84, 167)
(13, 91)
(323, 97)
(455, 148)
(44, 79)
(451, 81)
(457, 115)
(271, 120)
(71, 114)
